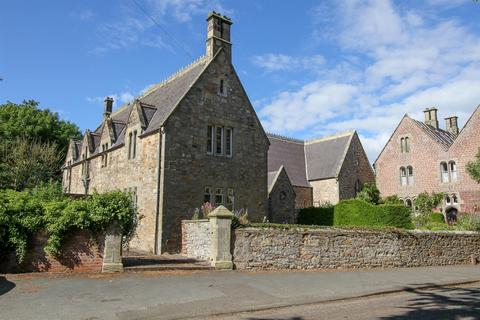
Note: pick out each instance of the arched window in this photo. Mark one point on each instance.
(454, 199)
(410, 175)
(444, 172)
(402, 143)
(448, 200)
(407, 146)
(453, 170)
(403, 176)
(408, 203)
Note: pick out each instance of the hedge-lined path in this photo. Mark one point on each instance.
(167, 262)
(176, 295)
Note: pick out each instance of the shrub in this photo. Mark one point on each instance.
(468, 222)
(316, 216)
(436, 217)
(425, 202)
(394, 200)
(356, 212)
(369, 193)
(22, 214)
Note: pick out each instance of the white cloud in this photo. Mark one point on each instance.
(118, 98)
(281, 62)
(409, 61)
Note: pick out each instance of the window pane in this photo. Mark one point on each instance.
(134, 144)
(208, 195)
(228, 142)
(218, 196)
(219, 140)
(209, 139)
(230, 199)
(407, 147)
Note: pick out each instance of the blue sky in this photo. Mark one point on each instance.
(310, 68)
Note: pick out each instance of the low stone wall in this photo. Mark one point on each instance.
(79, 254)
(197, 239)
(272, 248)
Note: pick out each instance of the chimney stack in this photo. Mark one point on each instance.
(108, 107)
(451, 125)
(431, 117)
(218, 34)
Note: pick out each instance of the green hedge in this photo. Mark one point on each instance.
(436, 217)
(322, 216)
(356, 212)
(22, 214)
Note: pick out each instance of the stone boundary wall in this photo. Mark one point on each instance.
(273, 248)
(197, 239)
(80, 253)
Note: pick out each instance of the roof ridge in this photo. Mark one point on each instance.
(173, 76)
(331, 136)
(278, 136)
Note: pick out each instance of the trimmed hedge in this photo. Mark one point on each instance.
(322, 216)
(356, 212)
(436, 217)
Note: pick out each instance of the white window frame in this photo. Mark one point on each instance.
(217, 193)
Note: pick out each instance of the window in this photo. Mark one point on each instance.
(219, 140)
(403, 176)
(218, 196)
(228, 142)
(447, 200)
(208, 195)
(410, 175)
(129, 145)
(402, 145)
(408, 203)
(444, 172)
(104, 154)
(453, 170)
(230, 199)
(455, 199)
(221, 88)
(407, 146)
(134, 144)
(210, 139)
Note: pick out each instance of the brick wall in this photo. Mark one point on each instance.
(196, 239)
(79, 254)
(269, 248)
(425, 157)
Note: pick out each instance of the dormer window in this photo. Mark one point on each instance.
(104, 155)
(132, 144)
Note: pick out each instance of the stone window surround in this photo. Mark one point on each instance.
(406, 175)
(227, 199)
(405, 144)
(450, 175)
(132, 144)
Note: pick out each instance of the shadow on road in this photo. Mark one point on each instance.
(441, 303)
(5, 285)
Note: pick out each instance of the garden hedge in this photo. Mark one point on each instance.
(356, 212)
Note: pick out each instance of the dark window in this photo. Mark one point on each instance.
(219, 141)
(230, 202)
(129, 145)
(221, 88)
(210, 139)
(402, 143)
(134, 144)
(218, 196)
(208, 195)
(228, 142)
(407, 146)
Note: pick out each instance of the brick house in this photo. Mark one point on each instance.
(420, 156)
(193, 138)
(324, 170)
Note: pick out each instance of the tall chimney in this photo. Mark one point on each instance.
(451, 125)
(431, 117)
(218, 34)
(108, 107)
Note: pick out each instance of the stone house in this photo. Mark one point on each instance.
(324, 170)
(281, 197)
(420, 156)
(193, 138)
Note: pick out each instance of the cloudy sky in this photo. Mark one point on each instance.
(310, 68)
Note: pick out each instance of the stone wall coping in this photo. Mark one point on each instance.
(334, 230)
(221, 212)
(195, 221)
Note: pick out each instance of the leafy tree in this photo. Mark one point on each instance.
(369, 193)
(26, 164)
(25, 120)
(473, 168)
(426, 202)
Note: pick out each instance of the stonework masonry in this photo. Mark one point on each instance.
(272, 248)
(196, 239)
(281, 200)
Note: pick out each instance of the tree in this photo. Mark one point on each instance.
(392, 200)
(425, 202)
(26, 164)
(369, 193)
(33, 144)
(473, 168)
(25, 120)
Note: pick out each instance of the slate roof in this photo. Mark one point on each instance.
(305, 161)
(324, 157)
(445, 138)
(156, 104)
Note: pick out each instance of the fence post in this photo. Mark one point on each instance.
(112, 254)
(221, 226)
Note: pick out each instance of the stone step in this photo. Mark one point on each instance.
(169, 267)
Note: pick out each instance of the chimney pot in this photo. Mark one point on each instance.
(451, 125)
(431, 118)
(108, 106)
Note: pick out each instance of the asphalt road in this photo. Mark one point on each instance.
(453, 303)
(176, 295)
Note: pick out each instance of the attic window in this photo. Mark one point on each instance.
(221, 88)
(104, 155)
